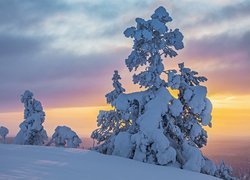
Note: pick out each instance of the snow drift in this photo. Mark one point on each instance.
(37, 162)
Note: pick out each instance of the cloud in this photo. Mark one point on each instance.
(227, 13)
(28, 13)
(223, 58)
(38, 42)
(211, 18)
(66, 51)
(12, 45)
(55, 75)
(222, 45)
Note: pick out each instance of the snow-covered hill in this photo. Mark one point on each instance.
(36, 162)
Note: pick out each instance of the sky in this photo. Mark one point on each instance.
(65, 52)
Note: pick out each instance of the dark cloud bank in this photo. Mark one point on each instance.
(61, 77)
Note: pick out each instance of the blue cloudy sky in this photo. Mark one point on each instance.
(65, 51)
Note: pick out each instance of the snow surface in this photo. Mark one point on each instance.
(40, 162)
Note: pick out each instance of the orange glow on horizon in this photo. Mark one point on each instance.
(81, 119)
(231, 118)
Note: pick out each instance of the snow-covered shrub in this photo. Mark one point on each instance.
(3, 133)
(65, 137)
(225, 172)
(244, 176)
(31, 129)
(152, 125)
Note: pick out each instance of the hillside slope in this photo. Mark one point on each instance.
(36, 162)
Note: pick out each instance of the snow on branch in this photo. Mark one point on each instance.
(152, 40)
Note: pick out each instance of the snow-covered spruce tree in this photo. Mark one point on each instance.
(3, 133)
(151, 125)
(118, 89)
(31, 129)
(113, 121)
(196, 108)
(65, 137)
(223, 171)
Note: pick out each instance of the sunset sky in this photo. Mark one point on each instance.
(65, 52)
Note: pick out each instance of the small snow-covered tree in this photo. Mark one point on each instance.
(31, 129)
(152, 125)
(225, 172)
(3, 133)
(118, 89)
(65, 137)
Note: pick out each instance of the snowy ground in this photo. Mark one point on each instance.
(34, 162)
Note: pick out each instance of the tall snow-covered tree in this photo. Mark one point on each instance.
(65, 137)
(31, 129)
(152, 40)
(3, 133)
(152, 125)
